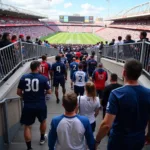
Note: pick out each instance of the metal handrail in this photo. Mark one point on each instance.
(7, 99)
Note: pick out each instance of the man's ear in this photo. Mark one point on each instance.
(123, 74)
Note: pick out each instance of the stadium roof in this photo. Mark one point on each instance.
(19, 12)
(139, 11)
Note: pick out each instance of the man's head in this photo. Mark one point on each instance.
(28, 38)
(113, 40)
(44, 58)
(143, 35)
(113, 78)
(6, 36)
(132, 70)
(57, 58)
(100, 65)
(80, 66)
(74, 59)
(128, 37)
(35, 66)
(119, 38)
(70, 102)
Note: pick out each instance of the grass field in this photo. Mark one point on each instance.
(73, 38)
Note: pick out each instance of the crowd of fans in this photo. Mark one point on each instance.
(113, 33)
(14, 20)
(142, 24)
(31, 30)
(125, 108)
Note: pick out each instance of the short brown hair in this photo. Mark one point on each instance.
(70, 101)
(44, 57)
(133, 69)
(91, 89)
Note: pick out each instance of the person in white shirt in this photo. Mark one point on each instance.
(89, 104)
(79, 78)
(119, 42)
(119, 46)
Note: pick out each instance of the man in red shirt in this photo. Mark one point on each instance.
(78, 54)
(45, 70)
(99, 78)
(45, 67)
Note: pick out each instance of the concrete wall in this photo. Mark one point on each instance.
(8, 90)
(117, 67)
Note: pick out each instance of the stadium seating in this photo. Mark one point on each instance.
(113, 33)
(132, 24)
(14, 20)
(32, 31)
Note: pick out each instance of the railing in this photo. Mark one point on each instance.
(15, 55)
(139, 51)
(6, 116)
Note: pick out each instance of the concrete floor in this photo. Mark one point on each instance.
(53, 110)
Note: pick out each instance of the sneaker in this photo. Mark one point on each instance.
(43, 141)
(57, 101)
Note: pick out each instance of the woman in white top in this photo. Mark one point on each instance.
(89, 104)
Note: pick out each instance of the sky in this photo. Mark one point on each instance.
(96, 8)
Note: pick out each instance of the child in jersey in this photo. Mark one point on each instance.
(79, 78)
(73, 69)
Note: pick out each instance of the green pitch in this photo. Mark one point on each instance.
(74, 38)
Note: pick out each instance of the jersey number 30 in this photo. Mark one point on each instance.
(32, 85)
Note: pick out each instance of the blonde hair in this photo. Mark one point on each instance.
(90, 89)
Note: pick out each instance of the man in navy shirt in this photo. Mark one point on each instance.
(127, 112)
(68, 130)
(92, 64)
(69, 57)
(59, 75)
(32, 88)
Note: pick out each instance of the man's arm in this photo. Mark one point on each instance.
(20, 87)
(111, 111)
(52, 136)
(19, 92)
(105, 126)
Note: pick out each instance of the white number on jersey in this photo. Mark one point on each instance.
(42, 69)
(32, 85)
(58, 69)
(74, 67)
(80, 79)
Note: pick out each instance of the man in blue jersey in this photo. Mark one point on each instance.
(68, 130)
(63, 59)
(69, 57)
(32, 88)
(127, 112)
(92, 64)
(79, 78)
(59, 76)
(73, 69)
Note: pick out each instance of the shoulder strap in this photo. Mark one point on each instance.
(79, 103)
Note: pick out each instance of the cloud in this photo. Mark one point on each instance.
(91, 10)
(67, 5)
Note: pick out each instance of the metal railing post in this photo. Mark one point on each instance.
(142, 52)
(21, 53)
(6, 123)
(117, 53)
